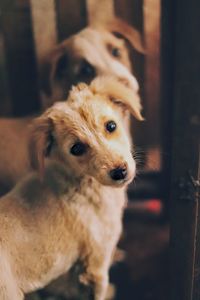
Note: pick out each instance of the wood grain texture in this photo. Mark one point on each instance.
(181, 105)
(20, 57)
(5, 99)
(100, 11)
(152, 69)
(71, 17)
(44, 25)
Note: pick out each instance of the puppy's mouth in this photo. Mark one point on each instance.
(123, 182)
(107, 181)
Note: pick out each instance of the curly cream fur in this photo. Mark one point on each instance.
(72, 211)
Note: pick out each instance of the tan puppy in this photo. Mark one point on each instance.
(71, 211)
(94, 51)
(80, 58)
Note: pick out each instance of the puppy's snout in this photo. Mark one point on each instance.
(118, 173)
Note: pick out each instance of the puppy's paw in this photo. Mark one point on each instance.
(111, 292)
(87, 287)
(119, 256)
(85, 279)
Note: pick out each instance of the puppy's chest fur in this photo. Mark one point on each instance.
(96, 214)
(95, 228)
(99, 210)
(50, 238)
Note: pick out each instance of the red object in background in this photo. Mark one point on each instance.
(152, 206)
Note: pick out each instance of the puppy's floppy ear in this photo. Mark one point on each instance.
(122, 29)
(54, 61)
(40, 143)
(119, 94)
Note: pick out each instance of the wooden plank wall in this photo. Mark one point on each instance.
(44, 28)
(31, 27)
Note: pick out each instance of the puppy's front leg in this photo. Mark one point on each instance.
(97, 283)
(100, 287)
(6, 294)
(8, 286)
(8, 289)
(96, 276)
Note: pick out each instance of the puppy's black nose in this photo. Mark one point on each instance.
(118, 173)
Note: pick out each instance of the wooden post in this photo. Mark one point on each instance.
(20, 59)
(181, 127)
(100, 11)
(44, 26)
(71, 16)
(131, 11)
(152, 70)
(5, 99)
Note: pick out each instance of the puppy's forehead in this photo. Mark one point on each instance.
(84, 122)
(85, 107)
(96, 108)
(93, 45)
(95, 36)
(90, 106)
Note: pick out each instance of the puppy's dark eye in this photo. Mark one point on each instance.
(61, 67)
(78, 149)
(87, 70)
(111, 126)
(116, 52)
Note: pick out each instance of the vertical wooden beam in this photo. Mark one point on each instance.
(131, 11)
(196, 283)
(167, 84)
(152, 70)
(100, 11)
(145, 16)
(181, 110)
(44, 25)
(71, 16)
(20, 58)
(5, 100)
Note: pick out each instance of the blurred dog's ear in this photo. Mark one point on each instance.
(132, 104)
(40, 144)
(124, 30)
(53, 64)
(119, 94)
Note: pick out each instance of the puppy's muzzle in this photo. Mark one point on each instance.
(118, 173)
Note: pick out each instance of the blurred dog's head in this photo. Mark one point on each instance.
(87, 132)
(91, 52)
